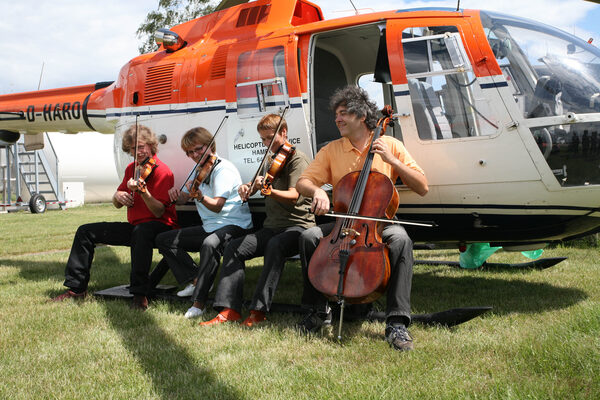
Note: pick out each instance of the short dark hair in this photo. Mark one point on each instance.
(357, 102)
(269, 123)
(198, 135)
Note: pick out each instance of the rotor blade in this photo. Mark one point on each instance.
(229, 3)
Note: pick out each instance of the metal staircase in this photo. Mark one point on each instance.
(38, 171)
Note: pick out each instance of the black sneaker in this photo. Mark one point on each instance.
(313, 322)
(398, 337)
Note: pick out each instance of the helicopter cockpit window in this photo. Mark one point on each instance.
(446, 98)
(261, 86)
(552, 75)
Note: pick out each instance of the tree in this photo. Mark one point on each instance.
(168, 14)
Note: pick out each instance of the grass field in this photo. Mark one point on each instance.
(541, 341)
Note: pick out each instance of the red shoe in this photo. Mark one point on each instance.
(255, 318)
(139, 302)
(69, 294)
(227, 315)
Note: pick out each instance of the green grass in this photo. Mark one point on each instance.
(542, 339)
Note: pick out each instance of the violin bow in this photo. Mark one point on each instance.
(135, 169)
(262, 163)
(136, 172)
(205, 151)
(429, 224)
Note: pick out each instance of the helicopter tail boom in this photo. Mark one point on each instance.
(68, 110)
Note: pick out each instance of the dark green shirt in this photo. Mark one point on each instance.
(283, 215)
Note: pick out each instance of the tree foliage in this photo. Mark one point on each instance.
(168, 14)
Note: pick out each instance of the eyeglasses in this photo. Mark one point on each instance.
(195, 150)
(140, 148)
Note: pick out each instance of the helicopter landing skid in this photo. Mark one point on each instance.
(542, 263)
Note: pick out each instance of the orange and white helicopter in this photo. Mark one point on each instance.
(502, 113)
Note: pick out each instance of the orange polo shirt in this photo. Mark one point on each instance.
(339, 158)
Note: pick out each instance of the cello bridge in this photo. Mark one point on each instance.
(349, 231)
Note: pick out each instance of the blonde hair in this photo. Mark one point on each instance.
(144, 134)
(197, 135)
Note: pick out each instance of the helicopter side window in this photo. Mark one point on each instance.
(261, 86)
(446, 98)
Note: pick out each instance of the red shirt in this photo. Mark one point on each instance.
(158, 183)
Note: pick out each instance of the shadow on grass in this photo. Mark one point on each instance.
(173, 371)
(432, 293)
(106, 264)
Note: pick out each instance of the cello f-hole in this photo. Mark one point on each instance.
(366, 228)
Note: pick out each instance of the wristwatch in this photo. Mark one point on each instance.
(201, 199)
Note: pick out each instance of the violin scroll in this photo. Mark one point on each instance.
(386, 120)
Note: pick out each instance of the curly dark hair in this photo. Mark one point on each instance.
(357, 102)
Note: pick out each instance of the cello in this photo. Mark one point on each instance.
(352, 263)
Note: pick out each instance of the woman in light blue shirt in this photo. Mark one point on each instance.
(224, 217)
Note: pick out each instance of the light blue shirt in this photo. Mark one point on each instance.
(223, 182)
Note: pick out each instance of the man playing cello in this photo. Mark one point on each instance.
(356, 118)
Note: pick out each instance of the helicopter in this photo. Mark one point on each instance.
(502, 113)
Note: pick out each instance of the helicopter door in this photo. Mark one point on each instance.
(454, 122)
(261, 84)
(357, 56)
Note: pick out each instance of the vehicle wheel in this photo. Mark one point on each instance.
(37, 204)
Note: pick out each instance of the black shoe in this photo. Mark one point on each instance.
(314, 321)
(398, 337)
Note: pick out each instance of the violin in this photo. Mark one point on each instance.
(203, 170)
(202, 173)
(143, 172)
(266, 186)
(280, 159)
(352, 263)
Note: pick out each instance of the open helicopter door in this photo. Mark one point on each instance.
(263, 79)
(355, 55)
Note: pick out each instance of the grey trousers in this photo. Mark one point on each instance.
(174, 246)
(276, 245)
(401, 263)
